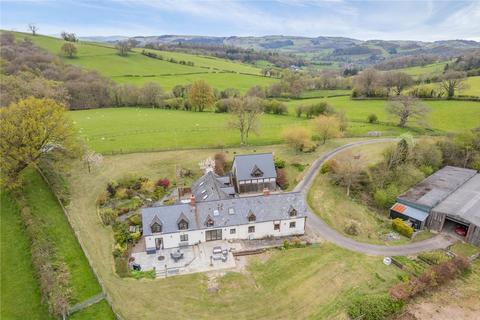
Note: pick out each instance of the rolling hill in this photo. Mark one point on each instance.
(137, 68)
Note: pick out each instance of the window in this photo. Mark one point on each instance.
(251, 216)
(156, 227)
(216, 212)
(293, 224)
(233, 231)
(182, 225)
(184, 237)
(292, 212)
(276, 226)
(251, 229)
(231, 211)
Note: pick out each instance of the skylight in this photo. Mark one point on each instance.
(205, 197)
(216, 212)
(231, 211)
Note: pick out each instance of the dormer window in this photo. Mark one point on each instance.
(251, 217)
(156, 227)
(256, 172)
(209, 222)
(292, 212)
(182, 225)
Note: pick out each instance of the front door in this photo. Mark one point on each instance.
(212, 235)
(158, 243)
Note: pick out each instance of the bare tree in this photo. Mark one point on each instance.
(367, 82)
(33, 28)
(123, 47)
(452, 81)
(347, 172)
(396, 81)
(245, 113)
(406, 108)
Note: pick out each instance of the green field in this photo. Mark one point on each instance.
(472, 87)
(143, 128)
(139, 69)
(20, 293)
(434, 68)
(444, 116)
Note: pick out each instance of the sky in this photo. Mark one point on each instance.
(387, 20)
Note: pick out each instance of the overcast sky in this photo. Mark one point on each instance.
(413, 20)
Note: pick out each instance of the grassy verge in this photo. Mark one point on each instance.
(331, 203)
(20, 292)
(464, 249)
(46, 213)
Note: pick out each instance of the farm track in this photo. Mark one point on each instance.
(328, 233)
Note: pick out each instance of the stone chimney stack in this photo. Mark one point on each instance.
(266, 192)
(192, 200)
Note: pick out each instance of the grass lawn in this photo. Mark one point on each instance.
(334, 207)
(445, 115)
(20, 293)
(338, 272)
(324, 93)
(464, 249)
(143, 128)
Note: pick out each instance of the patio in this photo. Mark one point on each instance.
(197, 258)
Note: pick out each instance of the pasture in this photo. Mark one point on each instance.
(136, 129)
(449, 116)
(339, 273)
(139, 69)
(434, 68)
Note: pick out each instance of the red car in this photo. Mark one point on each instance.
(461, 231)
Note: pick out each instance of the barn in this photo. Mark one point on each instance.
(446, 200)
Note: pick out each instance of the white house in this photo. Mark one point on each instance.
(255, 217)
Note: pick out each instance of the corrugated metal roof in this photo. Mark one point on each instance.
(435, 188)
(463, 203)
(410, 212)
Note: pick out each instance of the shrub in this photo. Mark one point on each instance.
(372, 118)
(385, 198)
(119, 250)
(135, 220)
(300, 167)
(282, 180)
(136, 236)
(401, 227)
(328, 166)
(108, 216)
(279, 163)
(286, 244)
(373, 307)
(111, 189)
(143, 274)
(121, 194)
(102, 199)
(352, 229)
(433, 257)
(165, 183)
(121, 234)
(147, 186)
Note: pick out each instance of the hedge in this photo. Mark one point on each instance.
(401, 227)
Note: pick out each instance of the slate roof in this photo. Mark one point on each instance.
(464, 202)
(266, 208)
(246, 164)
(435, 188)
(212, 187)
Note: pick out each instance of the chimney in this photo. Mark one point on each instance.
(192, 200)
(266, 191)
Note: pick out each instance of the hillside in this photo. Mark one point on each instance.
(137, 68)
(338, 49)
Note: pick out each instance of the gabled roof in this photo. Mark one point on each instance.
(182, 217)
(211, 187)
(155, 220)
(248, 164)
(464, 203)
(435, 188)
(266, 208)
